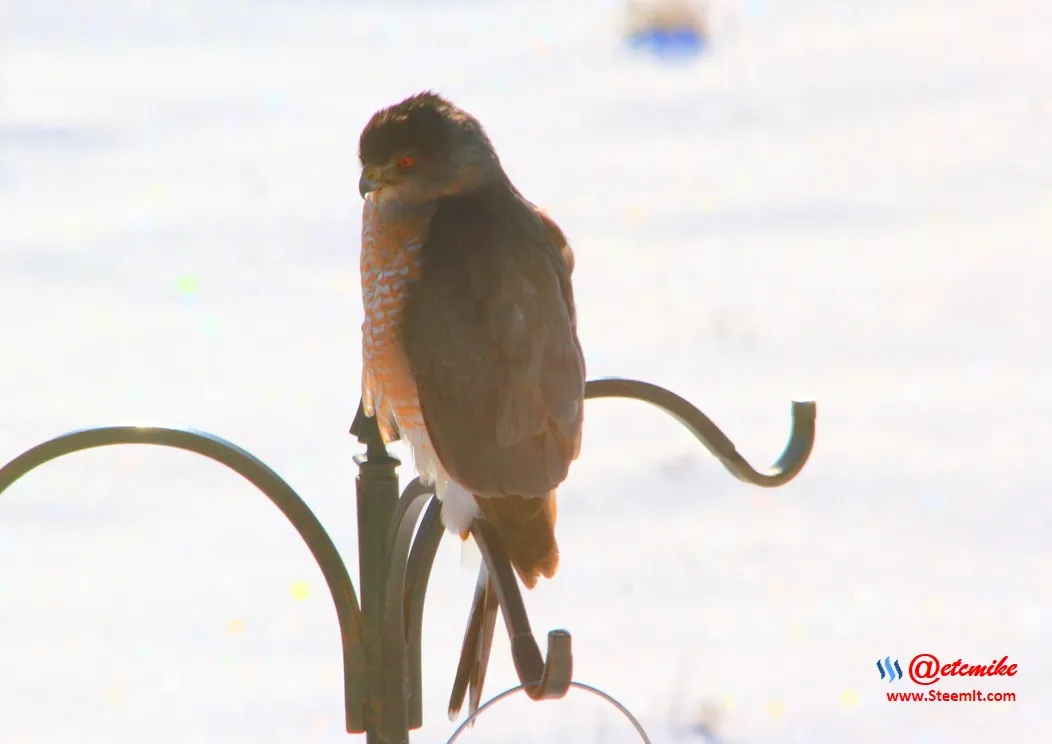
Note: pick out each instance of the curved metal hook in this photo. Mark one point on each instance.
(395, 678)
(418, 573)
(579, 685)
(273, 487)
(789, 464)
(550, 676)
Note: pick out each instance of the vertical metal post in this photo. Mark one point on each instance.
(377, 493)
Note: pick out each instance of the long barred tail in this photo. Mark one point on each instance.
(474, 653)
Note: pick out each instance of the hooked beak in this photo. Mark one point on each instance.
(369, 181)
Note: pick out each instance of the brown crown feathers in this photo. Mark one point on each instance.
(445, 147)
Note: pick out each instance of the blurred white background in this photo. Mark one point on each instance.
(839, 200)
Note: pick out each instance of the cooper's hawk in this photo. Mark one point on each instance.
(469, 344)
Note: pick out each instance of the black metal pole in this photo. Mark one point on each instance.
(376, 489)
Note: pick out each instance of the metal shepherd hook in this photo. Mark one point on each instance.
(380, 637)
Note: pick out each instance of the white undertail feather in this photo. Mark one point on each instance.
(470, 555)
(459, 508)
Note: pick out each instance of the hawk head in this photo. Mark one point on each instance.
(424, 148)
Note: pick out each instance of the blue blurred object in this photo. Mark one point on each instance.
(675, 43)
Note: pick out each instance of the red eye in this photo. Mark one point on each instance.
(405, 163)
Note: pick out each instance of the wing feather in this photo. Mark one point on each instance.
(490, 334)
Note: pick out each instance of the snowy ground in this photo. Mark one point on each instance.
(844, 201)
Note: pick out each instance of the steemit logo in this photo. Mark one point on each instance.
(889, 669)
